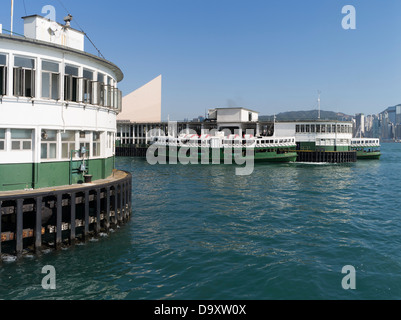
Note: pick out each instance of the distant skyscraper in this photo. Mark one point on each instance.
(398, 114)
(359, 124)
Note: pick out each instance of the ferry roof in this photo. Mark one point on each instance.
(235, 108)
(313, 121)
(39, 16)
(108, 64)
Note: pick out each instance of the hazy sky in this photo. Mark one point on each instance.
(270, 56)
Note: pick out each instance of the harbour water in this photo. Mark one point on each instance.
(201, 232)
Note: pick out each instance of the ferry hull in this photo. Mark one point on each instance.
(368, 155)
(222, 157)
(286, 157)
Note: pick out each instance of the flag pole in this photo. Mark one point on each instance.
(12, 16)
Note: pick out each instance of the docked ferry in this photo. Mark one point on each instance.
(366, 148)
(320, 140)
(218, 147)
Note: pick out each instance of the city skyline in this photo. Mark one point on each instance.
(268, 56)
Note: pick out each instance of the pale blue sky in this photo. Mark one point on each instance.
(270, 56)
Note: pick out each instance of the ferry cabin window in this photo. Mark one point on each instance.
(109, 93)
(318, 128)
(312, 128)
(100, 89)
(333, 128)
(2, 139)
(3, 75)
(3, 60)
(48, 144)
(87, 88)
(302, 128)
(96, 144)
(71, 84)
(307, 128)
(116, 99)
(67, 144)
(297, 128)
(110, 140)
(21, 139)
(24, 77)
(119, 96)
(50, 80)
(323, 128)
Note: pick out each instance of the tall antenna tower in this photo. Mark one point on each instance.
(318, 103)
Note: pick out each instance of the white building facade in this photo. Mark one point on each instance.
(54, 99)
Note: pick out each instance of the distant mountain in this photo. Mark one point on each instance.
(307, 115)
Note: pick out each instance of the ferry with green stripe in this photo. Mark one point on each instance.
(219, 148)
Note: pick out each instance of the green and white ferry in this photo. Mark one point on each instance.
(320, 140)
(221, 147)
(366, 148)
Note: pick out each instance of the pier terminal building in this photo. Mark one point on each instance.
(317, 140)
(58, 110)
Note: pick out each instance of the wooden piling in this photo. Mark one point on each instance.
(19, 227)
(107, 223)
(120, 197)
(38, 224)
(1, 216)
(97, 228)
(115, 205)
(59, 213)
(86, 226)
(326, 156)
(73, 207)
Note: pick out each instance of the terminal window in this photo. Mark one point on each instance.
(3, 75)
(24, 77)
(2, 139)
(21, 139)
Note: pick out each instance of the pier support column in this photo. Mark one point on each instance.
(107, 226)
(120, 216)
(19, 227)
(73, 217)
(126, 206)
(86, 227)
(97, 228)
(38, 224)
(1, 214)
(115, 205)
(124, 201)
(59, 218)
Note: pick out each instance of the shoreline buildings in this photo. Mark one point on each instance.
(386, 125)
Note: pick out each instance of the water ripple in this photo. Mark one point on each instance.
(200, 232)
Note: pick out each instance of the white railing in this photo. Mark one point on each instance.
(365, 142)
